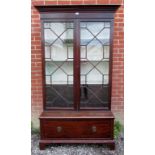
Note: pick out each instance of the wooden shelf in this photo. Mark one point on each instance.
(71, 60)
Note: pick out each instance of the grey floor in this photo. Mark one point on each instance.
(77, 149)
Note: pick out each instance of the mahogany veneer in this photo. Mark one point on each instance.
(77, 127)
(77, 122)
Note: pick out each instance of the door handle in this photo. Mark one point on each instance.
(59, 129)
(94, 129)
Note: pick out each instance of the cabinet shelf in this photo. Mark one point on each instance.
(71, 60)
(50, 60)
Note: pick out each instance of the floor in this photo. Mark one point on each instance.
(77, 149)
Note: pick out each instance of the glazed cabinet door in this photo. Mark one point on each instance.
(94, 63)
(58, 59)
(77, 61)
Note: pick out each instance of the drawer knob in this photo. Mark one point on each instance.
(93, 128)
(59, 128)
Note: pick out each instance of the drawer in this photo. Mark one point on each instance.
(77, 128)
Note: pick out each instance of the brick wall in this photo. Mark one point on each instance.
(118, 56)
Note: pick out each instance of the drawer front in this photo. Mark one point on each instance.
(77, 128)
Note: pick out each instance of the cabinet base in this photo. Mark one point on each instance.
(44, 143)
(83, 127)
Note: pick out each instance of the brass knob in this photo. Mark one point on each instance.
(59, 128)
(94, 129)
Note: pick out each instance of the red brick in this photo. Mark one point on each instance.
(36, 21)
(36, 42)
(36, 29)
(35, 16)
(119, 20)
(121, 24)
(36, 34)
(34, 12)
(37, 38)
(50, 2)
(120, 10)
(90, 2)
(35, 3)
(64, 2)
(35, 25)
(115, 1)
(102, 1)
(77, 2)
(121, 15)
(36, 51)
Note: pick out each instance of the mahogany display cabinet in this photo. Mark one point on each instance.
(77, 67)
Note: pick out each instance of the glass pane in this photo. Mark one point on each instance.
(86, 36)
(49, 36)
(95, 28)
(58, 40)
(106, 52)
(95, 51)
(83, 52)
